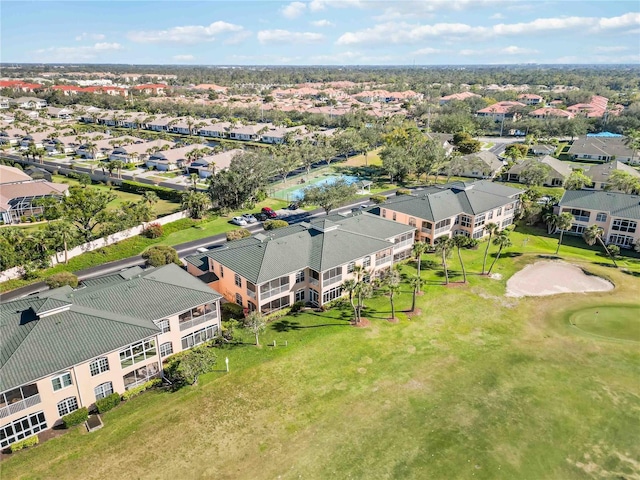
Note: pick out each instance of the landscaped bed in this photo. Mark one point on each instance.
(553, 277)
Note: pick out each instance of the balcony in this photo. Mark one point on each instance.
(332, 280)
(426, 230)
(581, 218)
(197, 320)
(401, 245)
(383, 260)
(314, 281)
(251, 293)
(19, 405)
(274, 291)
(443, 229)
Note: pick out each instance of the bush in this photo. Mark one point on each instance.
(158, 255)
(27, 442)
(163, 192)
(133, 392)
(61, 279)
(76, 418)
(153, 230)
(614, 250)
(403, 191)
(231, 310)
(378, 199)
(273, 224)
(296, 307)
(107, 403)
(238, 234)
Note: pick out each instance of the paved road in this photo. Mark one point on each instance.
(183, 249)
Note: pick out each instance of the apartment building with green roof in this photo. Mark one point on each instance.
(64, 349)
(307, 262)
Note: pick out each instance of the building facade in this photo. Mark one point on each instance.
(66, 349)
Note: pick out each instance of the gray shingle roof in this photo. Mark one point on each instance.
(345, 238)
(615, 204)
(439, 203)
(601, 172)
(561, 168)
(90, 321)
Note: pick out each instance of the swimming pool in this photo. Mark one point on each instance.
(298, 193)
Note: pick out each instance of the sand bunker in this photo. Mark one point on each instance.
(553, 277)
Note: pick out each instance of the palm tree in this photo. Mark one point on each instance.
(491, 228)
(391, 280)
(92, 148)
(563, 223)
(460, 242)
(443, 246)
(194, 180)
(594, 234)
(349, 286)
(418, 250)
(416, 283)
(150, 197)
(502, 240)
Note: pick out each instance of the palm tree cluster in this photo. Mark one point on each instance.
(359, 287)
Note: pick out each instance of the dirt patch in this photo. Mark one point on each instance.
(554, 277)
(393, 320)
(417, 312)
(364, 322)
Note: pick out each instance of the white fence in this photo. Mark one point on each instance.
(16, 272)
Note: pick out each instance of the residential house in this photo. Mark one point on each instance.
(37, 138)
(457, 208)
(215, 129)
(483, 164)
(445, 140)
(248, 132)
(65, 349)
(62, 113)
(11, 135)
(167, 160)
(160, 124)
(278, 135)
(542, 149)
(596, 108)
(306, 262)
(558, 170)
(19, 85)
(602, 149)
(530, 99)
(459, 97)
(151, 88)
(29, 114)
(137, 152)
(546, 113)
(30, 103)
(18, 191)
(5, 102)
(500, 111)
(206, 166)
(71, 143)
(599, 174)
(104, 147)
(617, 214)
(210, 86)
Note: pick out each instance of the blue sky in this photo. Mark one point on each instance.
(340, 32)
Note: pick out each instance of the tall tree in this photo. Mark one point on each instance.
(491, 228)
(443, 247)
(329, 195)
(563, 223)
(623, 181)
(535, 174)
(256, 324)
(418, 249)
(86, 208)
(349, 286)
(502, 241)
(576, 180)
(460, 242)
(416, 282)
(197, 203)
(391, 281)
(594, 234)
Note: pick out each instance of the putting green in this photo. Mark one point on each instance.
(619, 322)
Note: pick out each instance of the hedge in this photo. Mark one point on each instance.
(107, 403)
(403, 191)
(378, 199)
(232, 310)
(164, 193)
(237, 234)
(27, 442)
(129, 394)
(76, 418)
(61, 279)
(274, 224)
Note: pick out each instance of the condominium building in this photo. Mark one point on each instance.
(307, 262)
(458, 208)
(66, 348)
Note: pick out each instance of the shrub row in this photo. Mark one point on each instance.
(238, 234)
(27, 442)
(75, 418)
(378, 199)
(129, 394)
(107, 403)
(162, 192)
(273, 224)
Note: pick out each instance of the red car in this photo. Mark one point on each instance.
(269, 212)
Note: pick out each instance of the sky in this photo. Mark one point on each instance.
(321, 32)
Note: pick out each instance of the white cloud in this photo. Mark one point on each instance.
(513, 50)
(185, 34)
(497, 16)
(285, 36)
(183, 58)
(294, 10)
(87, 52)
(617, 48)
(409, 33)
(323, 23)
(510, 50)
(90, 36)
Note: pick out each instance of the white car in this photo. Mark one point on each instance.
(249, 218)
(239, 221)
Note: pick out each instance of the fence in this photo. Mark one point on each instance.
(17, 272)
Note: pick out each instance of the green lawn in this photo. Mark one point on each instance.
(610, 321)
(476, 386)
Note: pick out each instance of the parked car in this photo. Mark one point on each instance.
(260, 216)
(249, 218)
(269, 212)
(239, 221)
(293, 206)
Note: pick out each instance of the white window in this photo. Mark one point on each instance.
(300, 276)
(67, 406)
(621, 240)
(331, 294)
(201, 336)
(98, 366)
(239, 299)
(103, 390)
(238, 280)
(366, 262)
(137, 352)
(490, 215)
(61, 381)
(601, 217)
(166, 349)
(624, 225)
(22, 428)
(163, 325)
(507, 222)
(498, 212)
(412, 222)
(384, 213)
(465, 220)
(351, 267)
(300, 295)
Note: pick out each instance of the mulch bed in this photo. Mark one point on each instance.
(364, 323)
(413, 314)
(393, 320)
